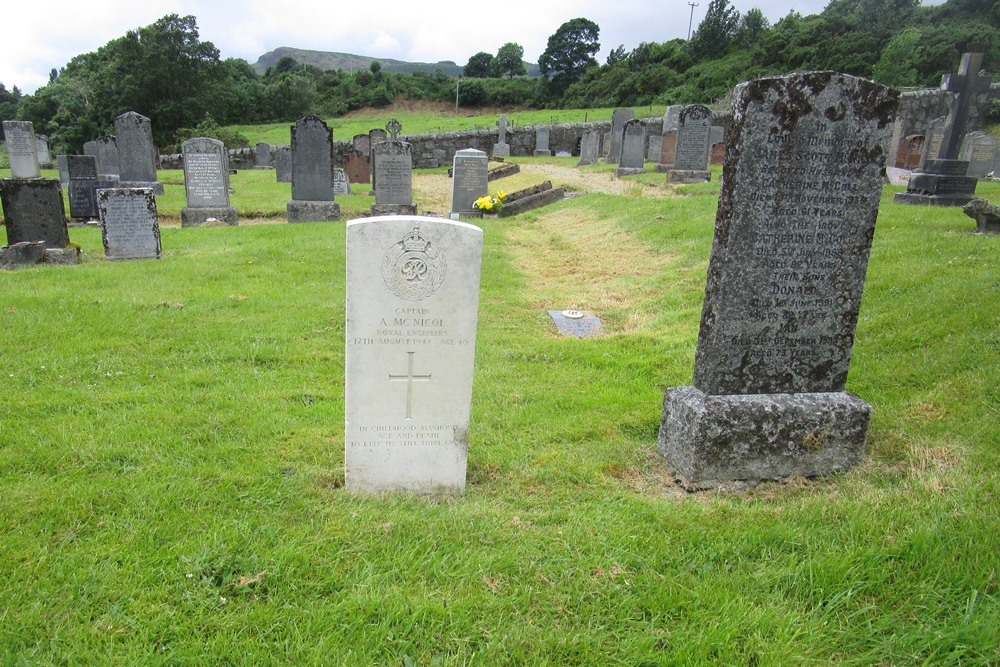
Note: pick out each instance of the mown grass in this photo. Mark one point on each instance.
(172, 434)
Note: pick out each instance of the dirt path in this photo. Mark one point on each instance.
(594, 181)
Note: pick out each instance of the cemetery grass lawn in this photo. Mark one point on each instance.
(171, 447)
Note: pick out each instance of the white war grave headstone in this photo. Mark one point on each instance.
(412, 308)
(793, 231)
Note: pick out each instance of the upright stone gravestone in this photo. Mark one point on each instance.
(932, 141)
(589, 147)
(312, 173)
(130, 226)
(943, 181)
(633, 149)
(341, 184)
(618, 119)
(412, 308)
(206, 183)
(42, 148)
(136, 153)
(392, 175)
(375, 137)
(283, 164)
(794, 228)
(22, 149)
(356, 166)
(979, 149)
(605, 146)
(470, 173)
(90, 148)
(668, 146)
(83, 184)
(717, 145)
(691, 156)
(107, 157)
(63, 168)
(33, 211)
(654, 149)
(362, 144)
(542, 142)
(262, 155)
(501, 148)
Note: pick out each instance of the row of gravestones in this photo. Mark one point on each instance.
(979, 149)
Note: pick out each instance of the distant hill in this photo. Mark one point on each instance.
(351, 63)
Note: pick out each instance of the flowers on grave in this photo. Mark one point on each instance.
(491, 203)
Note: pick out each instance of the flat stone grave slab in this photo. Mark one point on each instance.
(576, 323)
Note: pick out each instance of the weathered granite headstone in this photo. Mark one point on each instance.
(33, 210)
(692, 151)
(412, 308)
(618, 119)
(392, 175)
(362, 144)
(282, 159)
(262, 155)
(668, 146)
(979, 149)
(794, 228)
(107, 157)
(136, 153)
(501, 148)
(84, 181)
(341, 184)
(22, 149)
(42, 148)
(61, 165)
(655, 148)
(943, 181)
(206, 183)
(356, 166)
(932, 141)
(469, 181)
(90, 148)
(589, 147)
(542, 142)
(312, 173)
(375, 137)
(633, 149)
(130, 226)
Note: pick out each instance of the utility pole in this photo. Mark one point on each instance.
(691, 20)
(457, 81)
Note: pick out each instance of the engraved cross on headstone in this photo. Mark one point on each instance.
(503, 125)
(409, 379)
(967, 84)
(393, 128)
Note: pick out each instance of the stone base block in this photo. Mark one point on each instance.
(197, 217)
(713, 440)
(155, 186)
(69, 255)
(688, 176)
(313, 211)
(628, 171)
(394, 209)
(21, 254)
(663, 168)
(921, 199)
(541, 153)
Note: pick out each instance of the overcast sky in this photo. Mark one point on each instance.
(36, 39)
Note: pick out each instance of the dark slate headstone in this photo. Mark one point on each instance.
(136, 152)
(130, 226)
(692, 151)
(107, 157)
(63, 169)
(22, 150)
(282, 159)
(83, 183)
(618, 119)
(262, 155)
(589, 147)
(794, 228)
(206, 183)
(33, 210)
(633, 153)
(393, 178)
(469, 181)
(312, 173)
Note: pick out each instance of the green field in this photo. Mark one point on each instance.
(171, 448)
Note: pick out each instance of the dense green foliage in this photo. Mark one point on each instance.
(164, 71)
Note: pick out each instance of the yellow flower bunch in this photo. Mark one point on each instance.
(491, 203)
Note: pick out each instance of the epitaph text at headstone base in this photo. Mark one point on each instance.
(206, 183)
(796, 218)
(691, 153)
(83, 183)
(22, 150)
(470, 181)
(33, 210)
(312, 172)
(618, 119)
(633, 149)
(130, 225)
(589, 147)
(412, 307)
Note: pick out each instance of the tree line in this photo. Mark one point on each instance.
(166, 72)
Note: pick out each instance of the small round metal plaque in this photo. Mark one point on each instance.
(573, 314)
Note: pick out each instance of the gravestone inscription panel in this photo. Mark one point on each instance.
(470, 173)
(83, 183)
(206, 183)
(393, 168)
(691, 153)
(22, 150)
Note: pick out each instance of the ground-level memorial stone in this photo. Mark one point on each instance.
(130, 226)
(22, 150)
(470, 181)
(412, 308)
(590, 146)
(633, 149)
(206, 183)
(312, 172)
(943, 180)
(136, 153)
(793, 232)
(392, 167)
(691, 154)
(501, 148)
